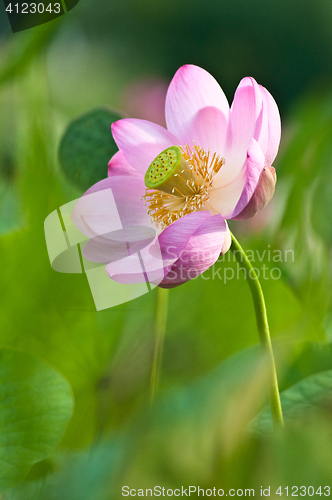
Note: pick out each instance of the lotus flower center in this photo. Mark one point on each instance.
(178, 183)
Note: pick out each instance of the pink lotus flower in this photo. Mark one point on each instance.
(223, 157)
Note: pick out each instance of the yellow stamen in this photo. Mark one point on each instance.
(192, 189)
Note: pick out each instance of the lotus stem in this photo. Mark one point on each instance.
(160, 332)
(263, 331)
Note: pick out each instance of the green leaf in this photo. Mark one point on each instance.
(35, 407)
(297, 401)
(306, 359)
(186, 428)
(182, 437)
(87, 146)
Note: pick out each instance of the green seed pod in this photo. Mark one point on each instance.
(170, 173)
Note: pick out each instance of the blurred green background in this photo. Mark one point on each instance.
(123, 54)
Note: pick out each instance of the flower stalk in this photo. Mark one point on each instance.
(263, 331)
(160, 331)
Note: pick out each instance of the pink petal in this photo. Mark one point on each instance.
(141, 141)
(110, 205)
(253, 169)
(198, 237)
(127, 271)
(175, 237)
(192, 89)
(244, 114)
(262, 195)
(144, 266)
(118, 165)
(201, 251)
(269, 135)
(224, 199)
(163, 253)
(208, 129)
(118, 244)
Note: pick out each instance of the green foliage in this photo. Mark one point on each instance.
(304, 221)
(200, 434)
(10, 214)
(87, 146)
(21, 51)
(307, 358)
(299, 400)
(35, 407)
(182, 432)
(198, 430)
